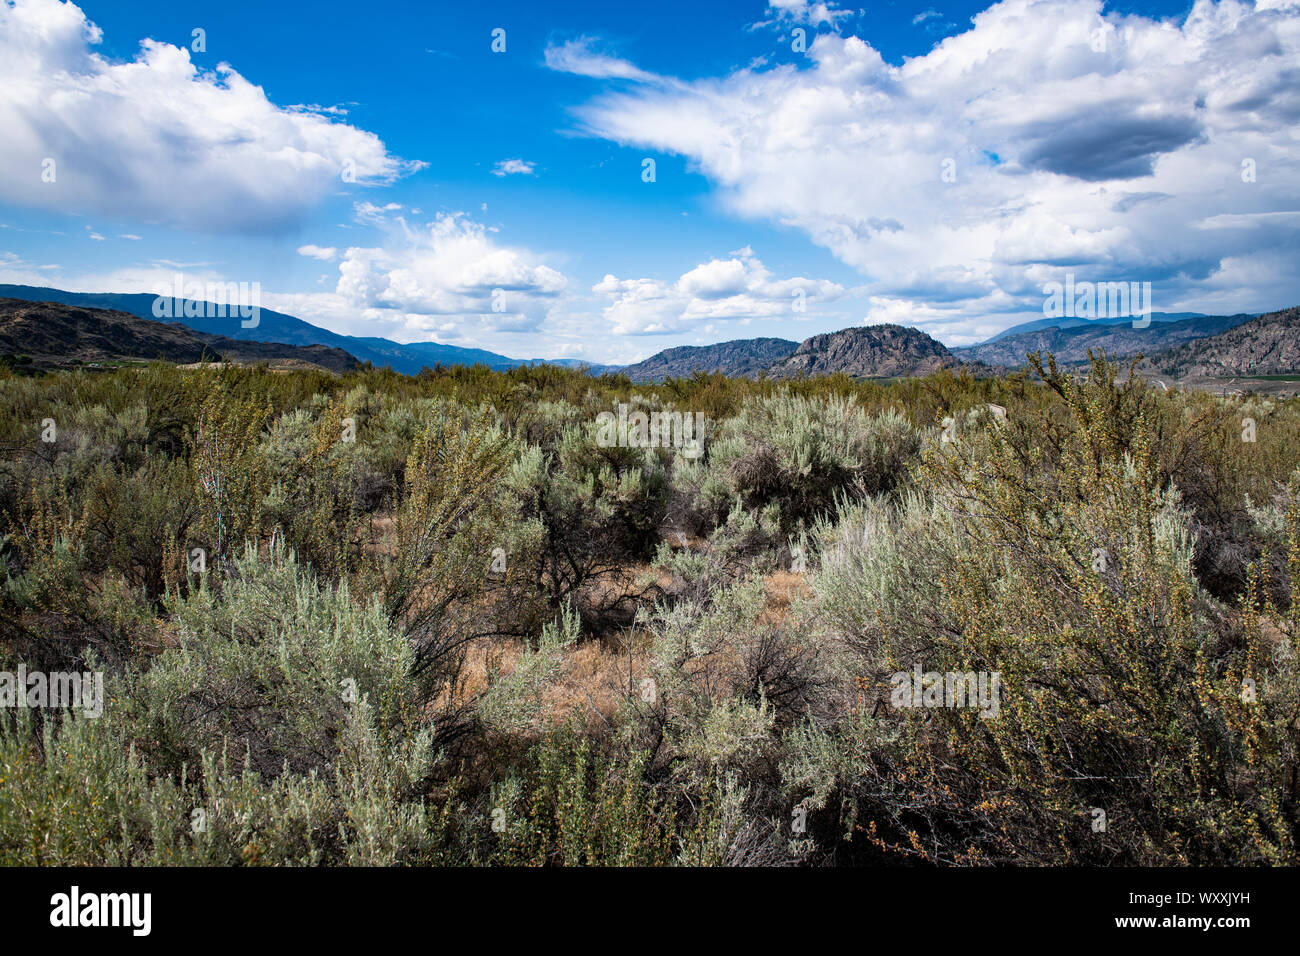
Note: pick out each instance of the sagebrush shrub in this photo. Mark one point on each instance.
(797, 453)
(382, 660)
(1070, 574)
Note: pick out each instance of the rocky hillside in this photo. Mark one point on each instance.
(739, 357)
(1268, 345)
(56, 335)
(873, 351)
(1119, 340)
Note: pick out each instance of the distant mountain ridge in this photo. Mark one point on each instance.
(1069, 322)
(1179, 343)
(739, 358)
(1070, 343)
(874, 351)
(891, 351)
(54, 334)
(1267, 345)
(279, 327)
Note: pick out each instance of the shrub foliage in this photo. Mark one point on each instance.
(380, 619)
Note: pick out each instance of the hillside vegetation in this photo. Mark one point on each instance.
(53, 335)
(372, 619)
(739, 357)
(1268, 345)
(871, 351)
(1072, 344)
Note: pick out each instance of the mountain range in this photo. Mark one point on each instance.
(55, 335)
(275, 326)
(1070, 322)
(98, 327)
(1071, 341)
(1265, 346)
(1173, 343)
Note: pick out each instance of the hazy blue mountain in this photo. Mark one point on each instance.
(1117, 339)
(1068, 323)
(278, 327)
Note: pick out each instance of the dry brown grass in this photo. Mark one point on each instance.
(783, 588)
(593, 680)
(593, 684)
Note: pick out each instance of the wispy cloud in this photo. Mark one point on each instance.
(788, 13)
(964, 179)
(373, 214)
(577, 57)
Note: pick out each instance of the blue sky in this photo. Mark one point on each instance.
(795, 190)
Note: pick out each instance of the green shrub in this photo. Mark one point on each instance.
(598, 510)
(284, 715)
(798, 453)
(365, 671)
(1058, 561)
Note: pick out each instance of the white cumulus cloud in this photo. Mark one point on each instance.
(513, 167)
(740, 287)
(323, 253)
(1050, 135)
(448, 278)
(160, 139)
